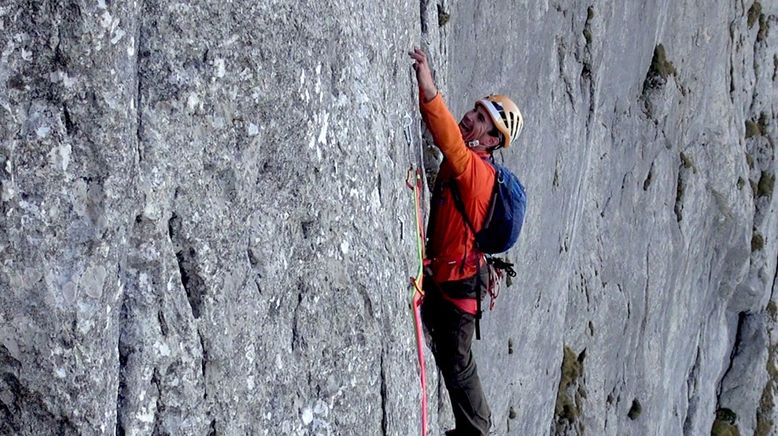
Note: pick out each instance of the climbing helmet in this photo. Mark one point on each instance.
(505, 116)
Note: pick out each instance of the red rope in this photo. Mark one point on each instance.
(418, 289)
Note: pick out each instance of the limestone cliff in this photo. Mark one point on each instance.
(205, 229)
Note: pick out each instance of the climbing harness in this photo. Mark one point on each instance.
(415, 182)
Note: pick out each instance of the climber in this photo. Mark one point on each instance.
(455, 266)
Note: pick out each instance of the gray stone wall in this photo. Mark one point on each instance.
(205, 229)
(649, 251)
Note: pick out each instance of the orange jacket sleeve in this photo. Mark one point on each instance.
(445, 132)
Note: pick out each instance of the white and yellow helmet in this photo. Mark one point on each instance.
(505, 116)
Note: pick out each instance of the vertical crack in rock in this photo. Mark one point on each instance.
(254, 262)
(9, 385)
(203, 363)
(124, 350)
(741, 319)
(775, 278)
(298, 341)
(193, 283)
(647, 182)
(586, 70)
(384, 401)
(160, 407)
(645, 292)
(366, 300)
(139, 39)
(679, 191)
(692, 397)
(163, 327)
(732, 62)
(70, 125)
(561, 48)
(441, 395)
(423, 16)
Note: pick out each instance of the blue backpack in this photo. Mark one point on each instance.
(505, 216)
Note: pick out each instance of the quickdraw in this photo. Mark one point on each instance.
(415, 182)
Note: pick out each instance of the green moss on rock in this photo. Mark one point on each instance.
(635, 410)
(660, 65)
(443, 16)
(725, 423)
(764, 26)
(764, 413)
(764, 422)
(757, 242)
(766, 184)
(687, 161)
(568, 402)
(753, 13)
(741, 182)
(571, 368)
(723, 429)
(752, 129)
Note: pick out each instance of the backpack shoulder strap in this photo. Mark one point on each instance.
(460, 205)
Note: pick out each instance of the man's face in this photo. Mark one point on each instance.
(476, 124)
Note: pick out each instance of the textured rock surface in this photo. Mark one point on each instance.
(205, 227)
(649, 250)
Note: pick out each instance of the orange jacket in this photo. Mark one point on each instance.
(450, 244)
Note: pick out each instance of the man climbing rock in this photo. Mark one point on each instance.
(455, 267)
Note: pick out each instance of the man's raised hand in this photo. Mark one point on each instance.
(423, 74)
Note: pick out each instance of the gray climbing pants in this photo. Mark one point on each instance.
(452, 332)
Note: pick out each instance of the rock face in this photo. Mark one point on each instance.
(649, 251)
(205, 227)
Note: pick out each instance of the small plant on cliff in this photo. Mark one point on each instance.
(635, 410)
(752, 129)
(571, 392)
(724, 424)
(757, 242)
(766, 184)
(753, 13)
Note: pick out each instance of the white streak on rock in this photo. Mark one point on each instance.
(324, 126)
(105, 20)
(65, 152)
(192, 102)
(252, 130)
(117, 35)
(42, 131)
(307, 416)
(220, 67)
